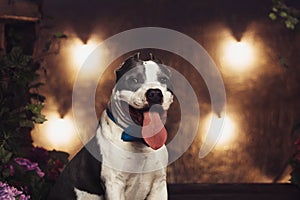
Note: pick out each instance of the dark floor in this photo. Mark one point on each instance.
(233, 192)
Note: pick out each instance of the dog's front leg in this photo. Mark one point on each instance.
(114, 184)
(114, 192)
(159, 189)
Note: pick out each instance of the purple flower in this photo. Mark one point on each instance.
(10, 193)
(39, 172)
(24, 197)
(29, 166)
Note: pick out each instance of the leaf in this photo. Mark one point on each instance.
(39, 119)
(35, 108)
(18, 56)
(26, 123)
(272, 16)
(283, 14)
(290, 25)
(274, 9)
(7, 157)
(59, 35)
(16, 59)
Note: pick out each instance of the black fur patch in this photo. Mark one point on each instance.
(82, 172)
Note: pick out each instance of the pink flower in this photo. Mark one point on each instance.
(23, 197)
(39, 172)
(10, 193)
(29, 166)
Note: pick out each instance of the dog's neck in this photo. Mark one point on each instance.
(117, 112)
(129, 134)
(131, 131)
(108, 137)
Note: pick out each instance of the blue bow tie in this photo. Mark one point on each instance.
(127, 134)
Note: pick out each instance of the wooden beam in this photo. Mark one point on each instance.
(19, 18)
(20, 8)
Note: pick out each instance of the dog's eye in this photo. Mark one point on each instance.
(133, 80)
(163, 80)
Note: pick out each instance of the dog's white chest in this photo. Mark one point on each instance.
(126, 186)
(130, 170)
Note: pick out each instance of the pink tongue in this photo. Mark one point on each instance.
(153, 131)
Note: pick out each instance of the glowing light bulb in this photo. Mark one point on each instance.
(59, 131)
(228, 133)
(238, 55)
(227, 136)
(82, 51)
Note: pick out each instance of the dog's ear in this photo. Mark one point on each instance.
(128, 64)
(136, 56)
(154, 59)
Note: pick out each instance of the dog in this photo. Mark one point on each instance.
(127, 157)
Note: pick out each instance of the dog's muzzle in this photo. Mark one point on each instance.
(154, 96)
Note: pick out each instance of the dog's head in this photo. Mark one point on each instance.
(142, 95)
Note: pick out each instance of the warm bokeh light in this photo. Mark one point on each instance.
(57, 133)
(60, 131)
(81, 51)
(238, 55)
(228, 133)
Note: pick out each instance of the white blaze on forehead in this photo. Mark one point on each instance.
(151, 71)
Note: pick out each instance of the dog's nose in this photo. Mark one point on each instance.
(154, 96)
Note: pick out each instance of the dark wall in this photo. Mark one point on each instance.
(264, 101)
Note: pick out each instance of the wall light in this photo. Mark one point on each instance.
(81, 51)
(227, 136)
(228, 132)
(60, 132)
(238, 55)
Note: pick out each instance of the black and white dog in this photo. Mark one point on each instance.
(127, 158)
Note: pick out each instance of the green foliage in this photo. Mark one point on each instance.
(20, 108)
(288, 15)
(20, 102)
(59, 35)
